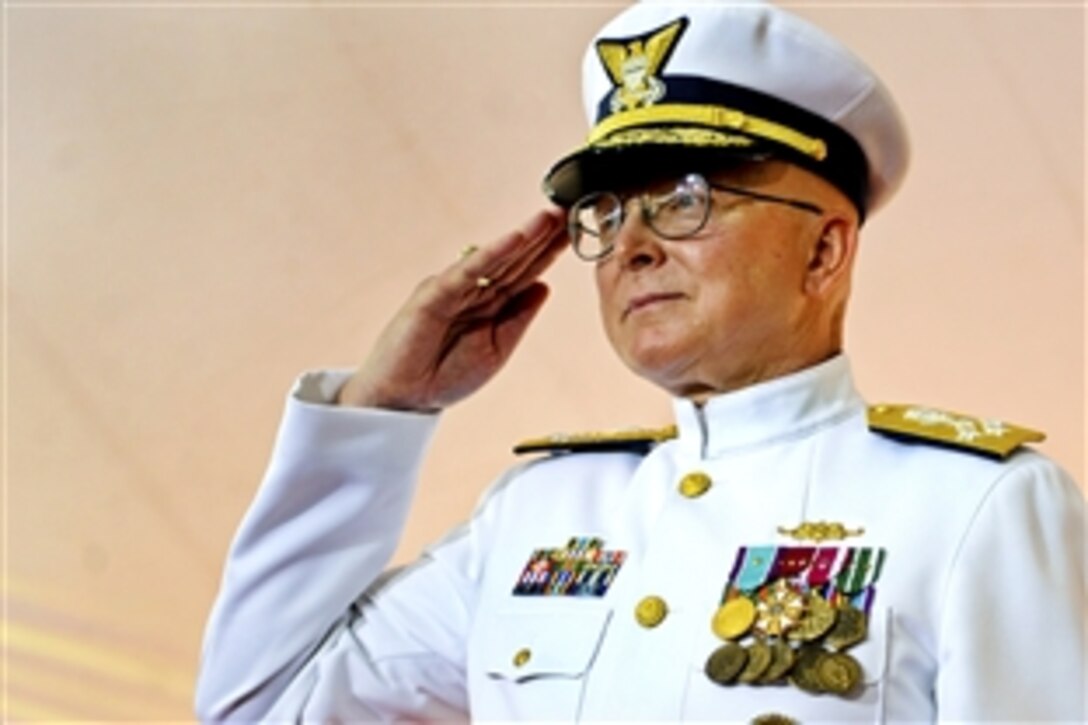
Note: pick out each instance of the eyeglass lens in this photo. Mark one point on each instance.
(597, 218)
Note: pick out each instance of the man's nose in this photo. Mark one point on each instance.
(636, 244)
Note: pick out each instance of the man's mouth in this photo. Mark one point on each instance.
(653, 299)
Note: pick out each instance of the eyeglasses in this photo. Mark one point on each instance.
(596, 219)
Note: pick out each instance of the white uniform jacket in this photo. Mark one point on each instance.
(975, 604)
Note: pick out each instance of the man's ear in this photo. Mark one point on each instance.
(831, 256)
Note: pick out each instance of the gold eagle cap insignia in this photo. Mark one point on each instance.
(635, 64)
(985, 436)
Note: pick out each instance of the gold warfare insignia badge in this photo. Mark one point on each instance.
(635, 64)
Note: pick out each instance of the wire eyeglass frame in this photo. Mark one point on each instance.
(692, 188)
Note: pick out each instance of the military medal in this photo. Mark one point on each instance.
(782, 660)
(791, 612)
(734, 618)
(755, 567)
(779, 609)
(838, 672)
(791, 561)
(849, 629)
(583, 568)
(861, 569)
(824, 564)
(819, 617)
(805, 672)
(759, 660)
(726, 662)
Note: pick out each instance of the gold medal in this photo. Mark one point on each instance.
(839, 673)
(734, 618)
(818, 620)
(849, 628)
(779, 609)
(759, 660)
(782, 659)
(725, 663)
(805, 672)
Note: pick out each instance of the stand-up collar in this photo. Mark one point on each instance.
(768, 411)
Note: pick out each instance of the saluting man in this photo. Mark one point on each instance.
(840, 561)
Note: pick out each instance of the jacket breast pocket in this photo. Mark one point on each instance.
(534, 661)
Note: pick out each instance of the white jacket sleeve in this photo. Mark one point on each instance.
(292, 634)
(1014, 615)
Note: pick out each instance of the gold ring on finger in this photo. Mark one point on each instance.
(483, 282)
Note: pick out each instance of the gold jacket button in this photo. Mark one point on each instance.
(522, 657)
(651, 611)
(694, 485)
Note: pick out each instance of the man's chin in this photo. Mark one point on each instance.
(665, 367)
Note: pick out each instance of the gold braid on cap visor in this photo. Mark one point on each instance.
(707, 117)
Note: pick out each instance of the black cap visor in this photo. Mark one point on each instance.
(616, 167)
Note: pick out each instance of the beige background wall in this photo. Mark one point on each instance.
(204, 200)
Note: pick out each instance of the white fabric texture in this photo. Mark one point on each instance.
(978, 613)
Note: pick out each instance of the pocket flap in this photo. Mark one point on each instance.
(526, 645)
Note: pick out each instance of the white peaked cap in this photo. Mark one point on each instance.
(689, 85)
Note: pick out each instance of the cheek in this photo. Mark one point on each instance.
(605, 289)
(735, 295)
(606, 299)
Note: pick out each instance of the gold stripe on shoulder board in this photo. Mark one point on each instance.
(986, 436)
(632, 439)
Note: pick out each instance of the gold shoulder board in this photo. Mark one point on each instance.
(635, 440)
(988, 437)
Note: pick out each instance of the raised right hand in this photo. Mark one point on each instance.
(460, 326)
